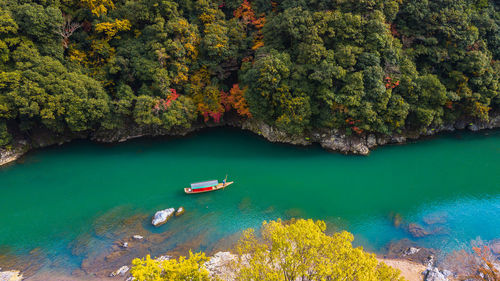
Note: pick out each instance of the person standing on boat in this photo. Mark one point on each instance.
(224, 182)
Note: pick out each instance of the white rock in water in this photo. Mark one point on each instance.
(121, 271)
(137, 237)
(125, 245)
(13, 275)
(180, 211)
(162, 216)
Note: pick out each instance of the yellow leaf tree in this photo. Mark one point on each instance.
(98, 7)
(112, 28)
(190, 268)
(300, 250)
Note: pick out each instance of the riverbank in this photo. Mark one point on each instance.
(409, 270)
(332, 140)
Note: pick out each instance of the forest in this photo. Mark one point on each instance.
(360, 66)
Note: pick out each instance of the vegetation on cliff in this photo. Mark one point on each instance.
(294, 250)
(360, 66)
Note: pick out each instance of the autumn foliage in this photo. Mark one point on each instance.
(246, 15)
(236, 100)
(382, 67)
(477, 264)
(301, 250)
(292, 250)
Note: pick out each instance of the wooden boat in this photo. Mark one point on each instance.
(207, 186)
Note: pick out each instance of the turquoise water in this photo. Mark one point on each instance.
(81, 192)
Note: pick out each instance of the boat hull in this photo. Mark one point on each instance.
(207, 189)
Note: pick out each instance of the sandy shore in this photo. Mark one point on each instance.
(411, 271)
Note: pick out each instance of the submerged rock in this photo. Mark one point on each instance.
(137, 237)
(409, 250)
(436, 218)
(180, 211)
(417, 230)
(12, 275)
(397, 219)
(161, 217)
(120, 271)
(114, 256)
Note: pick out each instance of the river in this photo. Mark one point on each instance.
(66, 205)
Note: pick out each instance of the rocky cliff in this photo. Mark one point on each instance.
(332, 140)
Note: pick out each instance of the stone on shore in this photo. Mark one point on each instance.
(433, 274)
(411, 251)
(12, 275)
(120, 271)
(163, 258)
(219, 266)
(161, 217)
(180, 211)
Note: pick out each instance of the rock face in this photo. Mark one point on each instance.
(271, 133)
(219, 266)
(9, 155)
(330, 139)
(120, 271)
(161, 217)
(13, 275)
(180, 211)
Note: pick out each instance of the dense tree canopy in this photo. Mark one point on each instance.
(365, 66)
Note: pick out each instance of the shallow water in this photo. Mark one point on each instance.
(70, 202)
